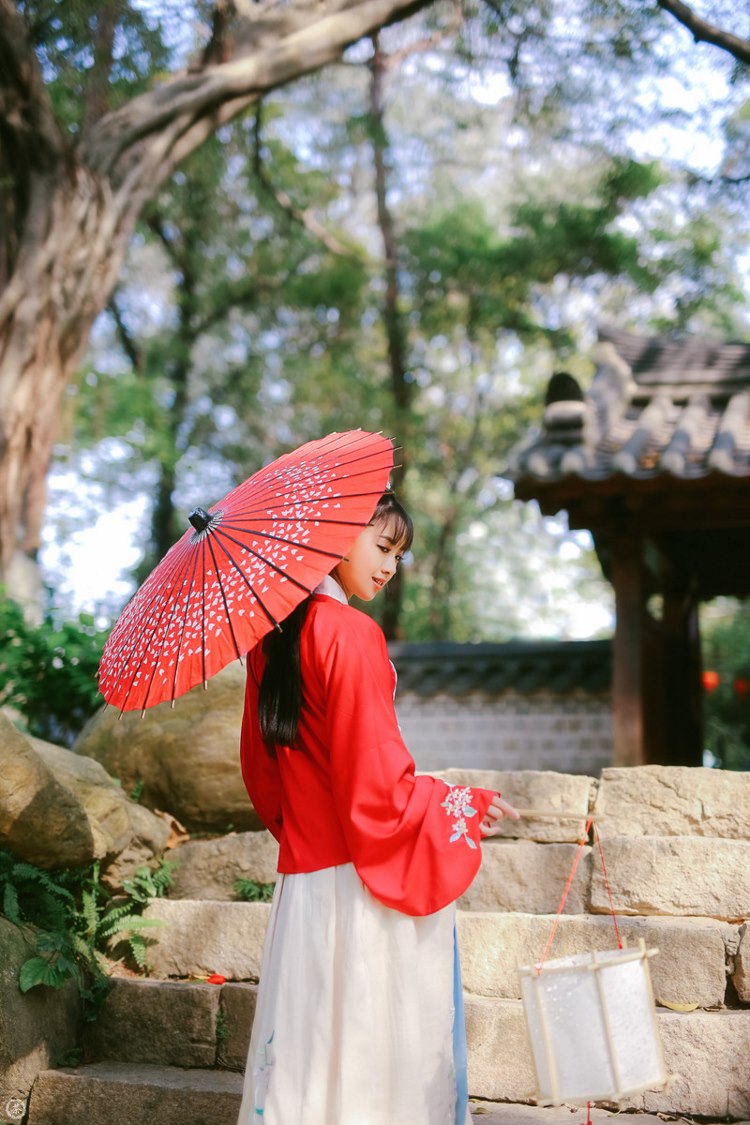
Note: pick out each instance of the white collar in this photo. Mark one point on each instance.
(331, 588)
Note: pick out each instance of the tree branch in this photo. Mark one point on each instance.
(429, 42)
(278, 47)
(304, 216)
(705, 32)
(125, 336)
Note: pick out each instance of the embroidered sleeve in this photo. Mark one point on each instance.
(458, 805)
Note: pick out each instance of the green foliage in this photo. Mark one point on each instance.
(74, 922)
(48, 672)
(148, 882)
(246, 890)
(521, 217)
(67, 36)
(726, 651)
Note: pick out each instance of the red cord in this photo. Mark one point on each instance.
(588, 1114)
(561, 907)
(581, 845)
(609, 892)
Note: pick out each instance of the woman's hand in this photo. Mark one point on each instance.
(498, 810)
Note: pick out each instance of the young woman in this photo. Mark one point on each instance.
(359, 1019)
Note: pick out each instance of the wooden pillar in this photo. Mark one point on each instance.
(654, 691)
(627, 679)
(683, 702)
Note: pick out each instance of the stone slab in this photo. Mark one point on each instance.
(199, 938)
(708, 1053)
(689, 968)
(675, 875)
(741, 977)
(528, 877)
(499, 1113)
(131, 1094)
(169, 1023)
(561, 794)
(673, 801)
(499, 1056)
(238, 1009)
(207, 869)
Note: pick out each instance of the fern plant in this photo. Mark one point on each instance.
(72, 920)
(247, 890)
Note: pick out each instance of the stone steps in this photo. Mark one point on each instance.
(200, 938)
(108, 1093)
(127, 1094)
(199, 1025)
(689, 875)
(677, 844)
(174, 1023)
(498, 1113)
(707, 1055)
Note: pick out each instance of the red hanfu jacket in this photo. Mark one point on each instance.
(347, 792)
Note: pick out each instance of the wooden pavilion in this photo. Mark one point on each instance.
(655, 461)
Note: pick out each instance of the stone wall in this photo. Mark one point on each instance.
(539, 731)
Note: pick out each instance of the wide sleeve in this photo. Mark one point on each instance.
(260, 771)
(414, 841)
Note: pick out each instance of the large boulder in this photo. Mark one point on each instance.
(185, 759)
(38, 1029)
(41, 820)
(104, 803)
(150, 834)
(60, 809)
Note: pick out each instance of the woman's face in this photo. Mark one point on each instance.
(371, 562)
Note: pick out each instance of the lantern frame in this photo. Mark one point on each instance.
(551, 1086)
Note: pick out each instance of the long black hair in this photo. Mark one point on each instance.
(281, 690)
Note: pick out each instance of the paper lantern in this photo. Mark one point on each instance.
(592, 1025)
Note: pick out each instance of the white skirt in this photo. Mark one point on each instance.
(355, 1013)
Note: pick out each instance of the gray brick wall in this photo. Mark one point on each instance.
(542, 731)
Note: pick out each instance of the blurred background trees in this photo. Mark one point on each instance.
(410, 240)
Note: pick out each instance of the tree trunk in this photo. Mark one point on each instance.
(392, 319)
(65, 271)
(68, 212)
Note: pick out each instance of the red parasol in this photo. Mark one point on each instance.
(243, 567)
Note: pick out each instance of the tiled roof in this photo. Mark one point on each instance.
(658, 408)
(521, 666)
